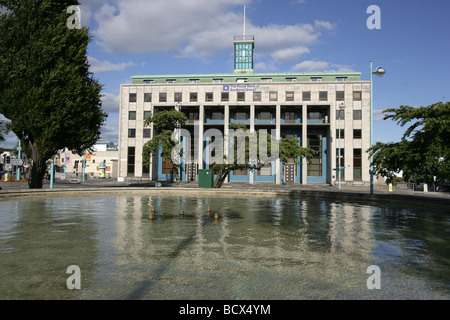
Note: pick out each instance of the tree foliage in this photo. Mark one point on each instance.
(423, 154)
(46, 89)
(164, 122)
(288, 151)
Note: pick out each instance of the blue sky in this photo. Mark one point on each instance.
(133, 37)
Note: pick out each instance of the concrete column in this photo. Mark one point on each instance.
(278, 135)
(226, 131)
(252, 129)
(304, 142)
(200, 135)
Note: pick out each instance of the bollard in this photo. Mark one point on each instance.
(216, 215)
(150, 216)
(181, 213)
(390, 187)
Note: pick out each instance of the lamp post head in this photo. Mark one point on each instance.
(341, 106)
(380, 71)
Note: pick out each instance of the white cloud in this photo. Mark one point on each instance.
(110, 132)
(323, 25)
(200, 28)
(377, 115)
(289, 54)
(98, 66)
(320, 66)
(110, 103)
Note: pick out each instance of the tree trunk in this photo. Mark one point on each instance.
(221, 178)
(38, 168)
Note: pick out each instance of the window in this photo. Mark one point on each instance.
(217, 115)
(178, 97)
(265, 115)
(257, 96)
(133, 97)
(147, 114)
(290, 96)
(240, 172)
(194, 80)
(131, 160)
(315, 115)
(306, 95)
(163, 97)
(148, 81)
(217, 80)
(240, 115)
(315, 168)
(132, 115)
(131, 133)
(266, 79)
(342, 133)
(340, 95)
(171, 81)
(289, 115)
(342, 164)
(193, 97)
(266, 170)
(225, 96)
(241, 96)
(357, 114)
(273, 96)
(357, 133)
(340, 113)
(357, 164)
(147, 97)
(341, 78)
(166, 166)
(209, 97)
(241, 80)
(316, 79)
(192, 116)
(147, 133)
(291, 79)
(323, 95)
(357, 95)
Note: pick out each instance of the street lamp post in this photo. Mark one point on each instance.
(380, 71)
(341, 108)
(19, 149)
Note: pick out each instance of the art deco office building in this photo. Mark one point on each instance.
(304, 106)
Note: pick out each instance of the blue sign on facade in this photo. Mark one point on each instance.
(241, 87)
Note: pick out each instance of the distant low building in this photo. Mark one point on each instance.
(104, 152)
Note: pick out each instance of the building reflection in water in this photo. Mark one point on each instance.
(307, 238)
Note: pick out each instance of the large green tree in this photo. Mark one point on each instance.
(46, 89)
(423, 154)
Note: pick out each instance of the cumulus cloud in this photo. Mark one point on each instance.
(98, 66)
(320, 66)
(110, 132)
(110, 103)
(196, 29)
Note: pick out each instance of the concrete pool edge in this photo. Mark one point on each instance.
(337, 194)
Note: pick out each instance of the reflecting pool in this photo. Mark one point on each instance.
(260, 247)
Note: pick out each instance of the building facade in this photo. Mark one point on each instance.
(304, 106)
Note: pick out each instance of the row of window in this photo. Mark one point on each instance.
(357, 133)
(240, 80)
(357, 164)
(241, 96)
(260, 115)
(167, 165)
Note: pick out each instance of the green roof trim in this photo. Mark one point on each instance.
(250, 77)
